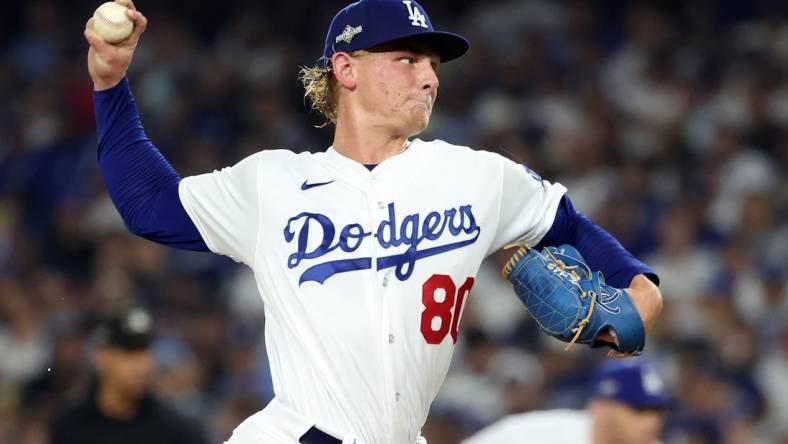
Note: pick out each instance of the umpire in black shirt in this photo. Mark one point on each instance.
(119, 407)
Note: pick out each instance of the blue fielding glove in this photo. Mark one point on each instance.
(571, 302)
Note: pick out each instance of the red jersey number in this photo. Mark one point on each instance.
(443, 304)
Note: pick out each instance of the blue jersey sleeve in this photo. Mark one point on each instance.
(142, 184)
(602, 251)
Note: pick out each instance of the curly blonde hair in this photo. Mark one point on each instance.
(320, 87)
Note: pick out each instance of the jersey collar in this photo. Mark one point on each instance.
(358, 174)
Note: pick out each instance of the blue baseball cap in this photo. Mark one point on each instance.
(634, 382)
(369, 23)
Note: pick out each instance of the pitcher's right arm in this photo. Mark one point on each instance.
(141, 183)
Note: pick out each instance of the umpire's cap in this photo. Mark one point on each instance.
(634, 382)
(369, 23)
(128, 328)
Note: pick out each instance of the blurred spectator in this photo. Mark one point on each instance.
(21, 334)
(119, 406)
(626, 406)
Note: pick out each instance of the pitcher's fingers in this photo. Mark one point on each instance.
(140, 23)
(95, 41)
(614, 354)
(123, 3)
(127, 3)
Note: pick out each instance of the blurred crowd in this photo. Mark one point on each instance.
(667, 121)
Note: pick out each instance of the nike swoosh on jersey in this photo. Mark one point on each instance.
(305, 186)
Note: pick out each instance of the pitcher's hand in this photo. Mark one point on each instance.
(108, 62)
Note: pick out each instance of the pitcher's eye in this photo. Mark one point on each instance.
(407, 60)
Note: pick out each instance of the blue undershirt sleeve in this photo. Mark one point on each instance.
(142, 184)
(601, 250)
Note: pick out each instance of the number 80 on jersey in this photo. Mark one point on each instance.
(443, 303)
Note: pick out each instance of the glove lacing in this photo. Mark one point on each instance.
(522, 250)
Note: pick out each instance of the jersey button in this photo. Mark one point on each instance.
(397, 395)
(391, 339)
(386, 281)
(381, 205)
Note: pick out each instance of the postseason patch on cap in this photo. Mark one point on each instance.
(609, 388)
(348, 34)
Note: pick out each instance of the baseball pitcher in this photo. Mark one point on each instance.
(364, 254)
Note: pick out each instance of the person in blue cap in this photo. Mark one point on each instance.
(364, 254)
(626, 405)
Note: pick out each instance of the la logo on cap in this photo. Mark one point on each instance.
(414, 15)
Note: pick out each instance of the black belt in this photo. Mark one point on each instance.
(317, 436)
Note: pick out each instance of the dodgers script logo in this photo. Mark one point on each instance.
(442, 232)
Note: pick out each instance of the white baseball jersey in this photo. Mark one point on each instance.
(545, 427)
(364, 274)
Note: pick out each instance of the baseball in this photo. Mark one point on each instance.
(111, 23)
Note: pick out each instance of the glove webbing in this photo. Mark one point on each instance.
(521, 251)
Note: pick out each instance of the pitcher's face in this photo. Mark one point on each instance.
(398, 87)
